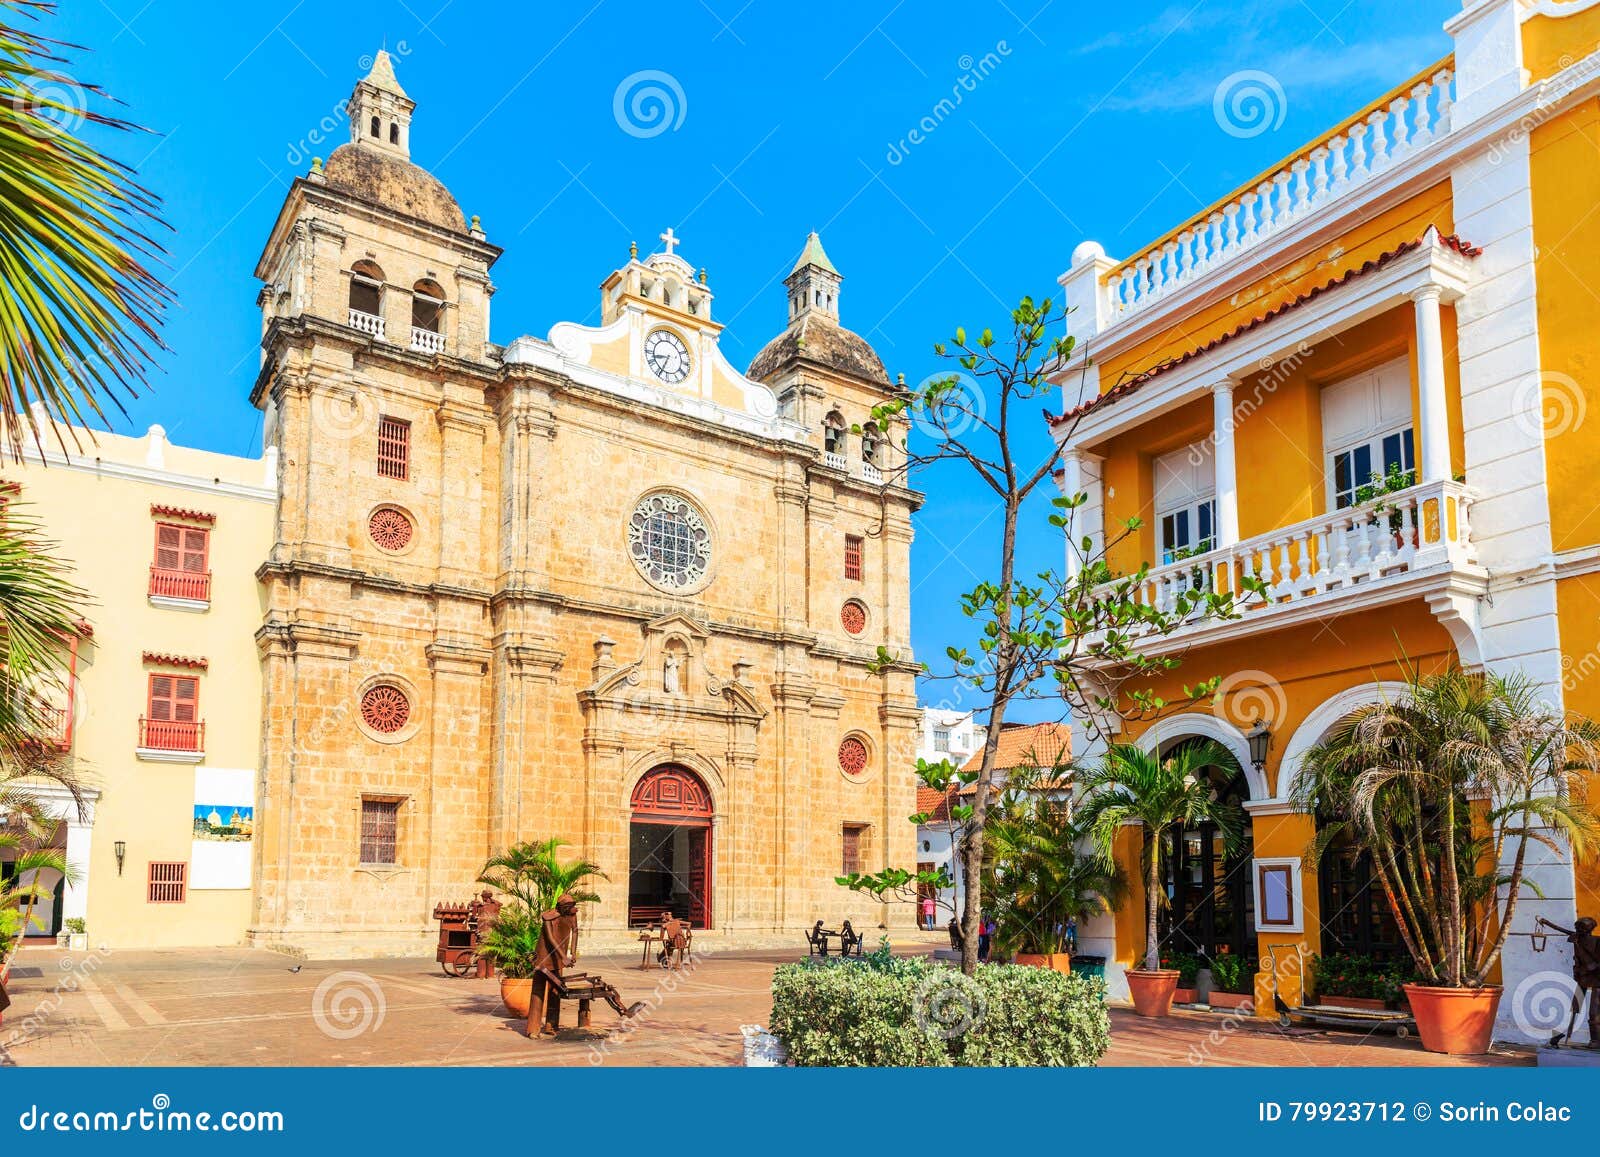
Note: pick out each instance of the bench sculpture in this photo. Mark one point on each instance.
(558, 951)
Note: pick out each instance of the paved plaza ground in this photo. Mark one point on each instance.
(234, 1006)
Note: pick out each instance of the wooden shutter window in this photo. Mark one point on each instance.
(380, 829)
(174, 698)
(394, 447)
(852, 556)
(853, 835)
(168, 882)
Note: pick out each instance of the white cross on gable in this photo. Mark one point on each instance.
(669, 240)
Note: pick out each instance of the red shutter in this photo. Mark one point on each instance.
(174, 698)
(168, 882)
(196, 548)
(394, 447)
(169, 545)
(852, 557)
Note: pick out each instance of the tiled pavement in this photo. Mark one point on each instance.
(240, 1007)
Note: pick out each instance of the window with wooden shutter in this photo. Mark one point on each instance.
(394, 448)
(172, 717)
(181, 569)
(168, 882)
(852, 556)
(380, 830)
(855, 837)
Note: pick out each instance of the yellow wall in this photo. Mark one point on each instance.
(1566, 233)
(1578, 611)
(100, 515)
(1551, 43)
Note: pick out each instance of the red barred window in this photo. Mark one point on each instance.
(394, 447)
(380, 830)
(168, 882)
(181, 568)
(855, 838)
(852, 556)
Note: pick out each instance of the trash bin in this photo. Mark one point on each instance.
(1090, 966)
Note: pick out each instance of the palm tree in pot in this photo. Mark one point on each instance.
(534, 876)
(1133, 786)
(1448, 787)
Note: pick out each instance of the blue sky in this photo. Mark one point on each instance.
(1076, 121)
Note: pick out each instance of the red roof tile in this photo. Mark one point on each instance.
(1028, 745)
(1128, 385)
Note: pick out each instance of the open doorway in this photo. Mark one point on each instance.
(670, 849)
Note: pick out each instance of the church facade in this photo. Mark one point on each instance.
(600, 586)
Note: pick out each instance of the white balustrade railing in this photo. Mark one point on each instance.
(426, 341)
(871, 473)
(1395, 127)
(366, 322)
(833, 461)
(1391, 536)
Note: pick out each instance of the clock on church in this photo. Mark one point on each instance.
(667, 356)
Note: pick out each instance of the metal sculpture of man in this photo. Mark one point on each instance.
(1586, 972)
(557, 951)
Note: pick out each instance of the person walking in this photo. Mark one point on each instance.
(985, 934)
(927, 913)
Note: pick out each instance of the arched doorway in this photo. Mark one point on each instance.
(669, 848)
(1210, 894)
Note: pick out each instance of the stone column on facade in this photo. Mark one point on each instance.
(1434, 418)
(527, 431)
(460, 532)
(524, 683)
(791, 698)
(1222, 456)
(459, 796)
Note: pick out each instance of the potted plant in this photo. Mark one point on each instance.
(1040, 883)
(1380, 486)
(77, 933)
(1401, 779)
(533, 876)
(1235, 978)
(1130, 785)
(1188, 966)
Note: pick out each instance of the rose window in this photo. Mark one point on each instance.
(389, 528)
(852, 756)
(853, 617)
(385, 709)
(669, 542)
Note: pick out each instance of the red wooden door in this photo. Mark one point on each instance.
(700, 877)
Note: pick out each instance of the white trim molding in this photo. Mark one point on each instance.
(1282, 866)
(1315, 725)
(1208, 726)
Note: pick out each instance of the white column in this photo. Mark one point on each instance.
(1434, 421)
(1222, 458)
(75, 901)
(1071, 485)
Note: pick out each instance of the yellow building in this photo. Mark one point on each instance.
(1409, 291)
(600, 586)
(162, 718)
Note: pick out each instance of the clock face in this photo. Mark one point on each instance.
(667, 356)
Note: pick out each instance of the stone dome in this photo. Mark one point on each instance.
(817, 338)
(394, 183)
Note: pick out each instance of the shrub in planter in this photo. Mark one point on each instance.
(916, 1013)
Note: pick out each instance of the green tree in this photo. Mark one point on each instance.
(1400, 777)
(537, 876)
(79, 306)
(1073, 637)
(1130, 785)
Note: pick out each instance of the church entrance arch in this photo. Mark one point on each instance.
(669, 848)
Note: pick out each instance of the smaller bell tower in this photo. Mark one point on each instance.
(814, 283)
(380, 110)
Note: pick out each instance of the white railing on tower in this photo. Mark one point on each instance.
(369, 323)
(426, 341)
(1386, 131)
(833, 461)
(871, 473)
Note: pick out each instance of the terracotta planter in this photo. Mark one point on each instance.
(1456, 1021)
(1185, 995)
(1232, 1000)
(516, 994)
(1058, 961)
(1153, 991)
(1367, 1003)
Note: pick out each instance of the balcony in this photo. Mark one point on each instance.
(180, 586)
(367, 323)
(169, 741)
(834, 461)
(426, 341)
(1415, 543)
(871, 473)
(49, 725)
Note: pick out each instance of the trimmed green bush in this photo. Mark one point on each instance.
(917, 1013)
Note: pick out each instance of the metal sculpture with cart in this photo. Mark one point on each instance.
(557, 952)
(462, 928)
(1310, 1011)
(1585, 975)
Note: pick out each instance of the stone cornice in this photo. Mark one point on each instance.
(291, 567)
(458, 658)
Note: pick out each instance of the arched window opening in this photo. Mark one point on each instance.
(366, 289)
(871, 444)
(394, 133)
(427, 306)
(374, 127)
(833, 431)
(1211, 893)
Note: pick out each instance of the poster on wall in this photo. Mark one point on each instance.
(224, 819)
